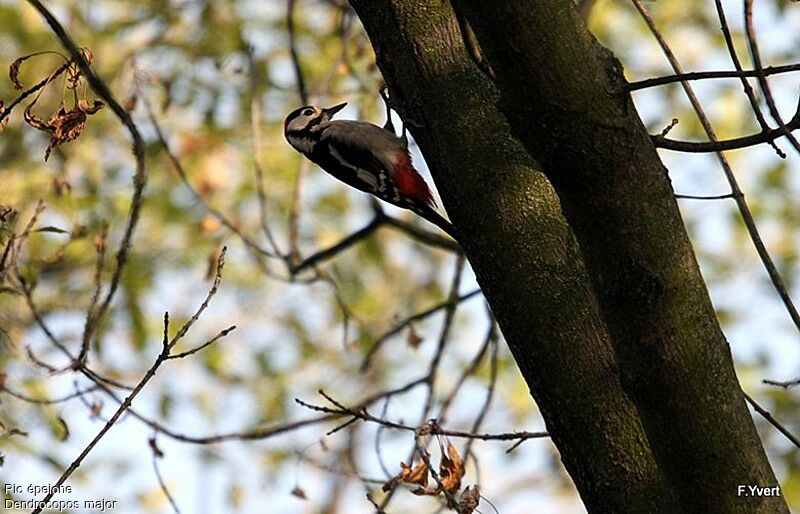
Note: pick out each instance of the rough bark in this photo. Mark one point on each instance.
(562, 93)
(524, 254)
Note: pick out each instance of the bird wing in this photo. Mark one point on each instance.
(364, 145)
(372, 149)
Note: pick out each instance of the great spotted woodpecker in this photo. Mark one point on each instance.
(364, 156)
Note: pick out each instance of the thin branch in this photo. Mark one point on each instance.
(422, 235)
(46, 401)
(772, 421)
(181, 171)
(110, 423)
(492, 337)
(702, 75)
(166, 345)
(101, 243)
(203, 306)
(751, 97)
(342, 245)
(762, 80)
(220, 335)
(255, 142)
(157, 454)
(140, 176)
(787, 384)
(302, 90)
(726, 144)
(466, 373)
(294, 213)
(362, 414)
(6, 110)
(398, 327)
(736, 192)
(447, 325)
(697, 197)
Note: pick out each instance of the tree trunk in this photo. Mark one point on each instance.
(563, 95)
(682, 432)
(524, 254)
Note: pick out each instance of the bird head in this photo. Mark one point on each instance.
(309, 118)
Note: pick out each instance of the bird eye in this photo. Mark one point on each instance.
(308, 112)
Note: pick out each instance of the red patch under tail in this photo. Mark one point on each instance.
(410, 182)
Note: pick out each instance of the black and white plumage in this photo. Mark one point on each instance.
(362, 155)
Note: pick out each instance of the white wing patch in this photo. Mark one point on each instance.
(363, 175)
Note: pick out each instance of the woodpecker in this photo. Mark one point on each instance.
(364, 156)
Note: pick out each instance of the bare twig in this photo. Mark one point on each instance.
(110, 423)
(181, 171)
(398, 327)
(46, 401)
(302, 90)
(100, 246)
(6, 110)
(362, 414)
(491, 337)
(786, 384)
(726, 144)
(203, 306)
(424, 236)
(772, 421)
(751, 97)
(157, 454)
(342, 245)
(294, 213)
(762, 79)
(696, 197)
(255, 142)
(140, 176)
(444, 335)
(702, 75)
(736, 192)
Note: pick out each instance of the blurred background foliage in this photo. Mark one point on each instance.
(219, 78)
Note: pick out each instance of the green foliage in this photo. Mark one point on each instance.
(189, 61)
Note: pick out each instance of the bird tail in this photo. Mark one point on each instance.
(437, 219)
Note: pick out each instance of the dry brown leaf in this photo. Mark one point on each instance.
(469, 500)
(74, 73)
(390, 484)
(154, 447)
(5, 120)
(63, 126)
(416, 475)
(130, 102)
(409, 475)
(451, 469)
(298, 492)
(414, 340)
(13, 72)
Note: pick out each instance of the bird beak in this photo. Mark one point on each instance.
(330, 111)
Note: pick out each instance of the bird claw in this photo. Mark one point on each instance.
(383, 91)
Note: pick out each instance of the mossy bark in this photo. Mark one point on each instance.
(563, 95)
(525, 256)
